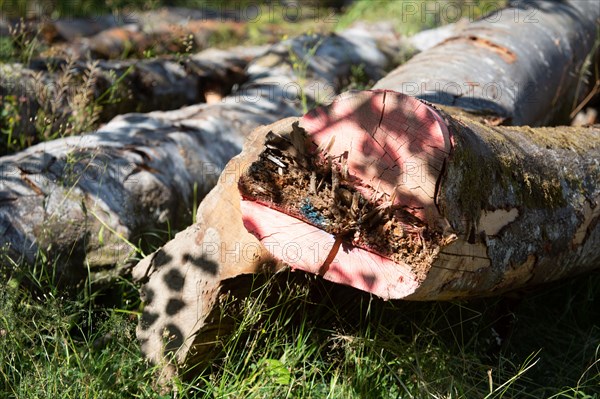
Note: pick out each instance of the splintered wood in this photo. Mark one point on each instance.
(348, 192)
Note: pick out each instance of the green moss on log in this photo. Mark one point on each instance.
(495, 157)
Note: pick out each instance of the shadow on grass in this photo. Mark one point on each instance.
(398, 348)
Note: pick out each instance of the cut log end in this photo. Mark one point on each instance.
(349, 194)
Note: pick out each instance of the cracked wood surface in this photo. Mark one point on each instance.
(395, 148)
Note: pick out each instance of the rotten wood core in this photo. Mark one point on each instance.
(349, 193)
(297, 177)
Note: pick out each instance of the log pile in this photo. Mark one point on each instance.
(444, 201)
(74, 89)
(402, 198)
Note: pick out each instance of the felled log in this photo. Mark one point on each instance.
(85, 200)
(521, 65)
(393, 196)
(132, 40)
(418, 204)
(133, 33)
(58, 96)
(426, 206)
(130, 32)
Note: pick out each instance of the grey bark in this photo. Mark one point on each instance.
(525, 64)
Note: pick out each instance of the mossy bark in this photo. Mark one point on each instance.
(524, 204)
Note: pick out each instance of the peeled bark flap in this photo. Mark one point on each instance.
(521, 63)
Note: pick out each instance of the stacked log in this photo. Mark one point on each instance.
(51, 93)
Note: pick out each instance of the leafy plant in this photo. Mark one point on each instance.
(9, 121)
(300, 65)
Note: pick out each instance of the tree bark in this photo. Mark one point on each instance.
(448, 205)
(523, 65)
(85, 200)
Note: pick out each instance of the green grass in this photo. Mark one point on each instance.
(6, 49)
(54, 347)
(300, 337)
(410, 17)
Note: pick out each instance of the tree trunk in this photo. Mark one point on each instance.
(132, 33)
(522, 65)
(85, 200)
(467, 210)
(395, 197)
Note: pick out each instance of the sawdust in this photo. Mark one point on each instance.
(293, 176)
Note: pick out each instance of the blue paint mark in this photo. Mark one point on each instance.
(310, 212)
